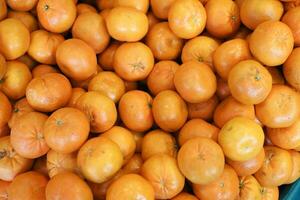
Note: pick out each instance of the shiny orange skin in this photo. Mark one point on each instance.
(21, 5)
(248, 167)
(158, 142)
(15, 80)
(296, 167)
(106, 58)
(187, 18)
(126, 24)
(134, 164)
(228, 54)
(96, 155)
(61, 162)
(11, 163)
(133, 61)
(48, 92)
(27, 135)
(66, 130)
(5, 109)
(56, 16)
(204, 110)
(20, 108)
(3, 11)
(230, 108)
(286, 138)
(271, 43)
(141, 5)
(200, 49)
(224, 187)
(249, 188)
(241, 139)
(14, 38)
(4, 185)
(165, 45)
(264, 11)
(40, 70)
(76, 94)
(76, 59)
(84, 8)
(269, 193)
(135, 110)
(109, 84)
(280, 109)
(277, 167)
(162, 76)
(28, 186)
(100, 110)
(26, 18)
(162, 172)
(291, 70)
(161, 8)
(195, 82)
(223, 18)
(43, 46)
(59, 187)
(184, 196)
(124, 139)
(223, 90)
(169, 111)
(27, 60)
(90, 27)
(201, 160)
(197, 128)
(130, 186)
(249, 82)
(290, 18)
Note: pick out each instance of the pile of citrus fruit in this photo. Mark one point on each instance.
(149, 99)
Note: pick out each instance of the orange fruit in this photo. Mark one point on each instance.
(290, 69)
(26, 18)
(21, 5)
(161, 8)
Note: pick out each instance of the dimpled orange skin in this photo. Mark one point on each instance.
(162, 172)
(224, 187)
(280, 109)
(195, 82)
(197, 128)
(66, 130)
(76, 94)
(109, 84)
(135, 110)
(230, 108)
(133, 61)
(3, 9)
(127, 24)
(223, 18)
(40, 70)
(21, 5)
(271, 43)
(248, 167)
(100, 110)
(291, 70)
(27, 135)
(26, 18)
(161, 77)
(164, 44)
(4, 185)
(161, 8)
(229, 54)
(249, 188)
(241, 139)
(264, 11)
(124, 138)
(131, 187)
(187, 18)
(184, 196)
(56, 16)
(291, 18)
(200, 49)
(43, 46)
(169, 111)
(141, 5)
(5, 109)
(286, 138)
(249, 82)
(14, 38)
(59, 188)
(158, 142)
(90, 27)
(20, 108)
(48, 92)
(277, 167)
(99, 159)
(76, 59)
(15, 80)
(11, 163)
(269, 193)
(28, 186)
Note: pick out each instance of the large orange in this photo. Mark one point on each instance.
(249, 188)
